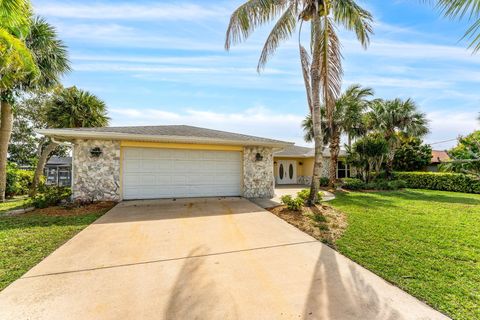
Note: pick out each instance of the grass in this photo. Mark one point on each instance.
(27, 239)
(11, 204)
(426, 242)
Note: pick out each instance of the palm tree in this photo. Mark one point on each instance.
(322, 72)
(391, 117)
(347, 119)
(16, 64)
(69, 108)
(460, 9)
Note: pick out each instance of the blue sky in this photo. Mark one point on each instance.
(163, 62)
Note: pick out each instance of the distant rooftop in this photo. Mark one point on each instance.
(439, 156)
(304, 152)
(54, 160)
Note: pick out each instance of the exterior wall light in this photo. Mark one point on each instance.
(300, 163)
(258, 157)
(96, 152)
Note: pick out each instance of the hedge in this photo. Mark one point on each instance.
(440, 181)
(18, 181)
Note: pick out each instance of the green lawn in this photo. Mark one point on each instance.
(426, 242)
(26, 239)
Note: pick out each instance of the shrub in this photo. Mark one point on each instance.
(18, 181)
(440, 181)
(319, 218)
(385, 185)
(353, 184)
(305, 194)
(292, 203)
(50, 196)
(324, 182)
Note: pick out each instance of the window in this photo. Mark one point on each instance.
(290, 171)
(343, 170)
(280, 171)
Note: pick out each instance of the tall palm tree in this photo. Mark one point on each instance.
(16, 64)
(348, 116)
(321, 67)
(460, 9)
(390, 117)
(69, 108)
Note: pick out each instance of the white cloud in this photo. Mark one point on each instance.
(258, 121)
(449, 124)
(129, 11)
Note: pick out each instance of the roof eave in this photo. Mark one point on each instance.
(69, 135)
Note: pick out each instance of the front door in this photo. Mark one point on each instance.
(287, 172)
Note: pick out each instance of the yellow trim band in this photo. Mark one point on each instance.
(193, 146)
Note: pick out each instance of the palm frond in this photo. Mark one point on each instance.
(305, 63)
(459, 9)
(249, 16)
(331, 71)
(354, 18)
(16, 61)
(49, 52)
(281, 31)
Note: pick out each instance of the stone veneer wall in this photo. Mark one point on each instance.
(258, 179)
(96, 178)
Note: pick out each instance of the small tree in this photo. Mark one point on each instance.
(69, 108)
(367, 155)
(412, 155)
(465, 155)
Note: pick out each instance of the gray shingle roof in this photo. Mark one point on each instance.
(305, 152)
(176, 131)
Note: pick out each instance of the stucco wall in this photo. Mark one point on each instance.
(305, 170)
(258, 180)
(96, 178)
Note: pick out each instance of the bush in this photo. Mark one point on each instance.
(324, 182)
(292, 203)
(457, 182)
(50, 196)
(18, 181)
(386, 185)
(353, 184)
(305, 194)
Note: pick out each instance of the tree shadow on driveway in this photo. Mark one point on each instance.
(338, 295)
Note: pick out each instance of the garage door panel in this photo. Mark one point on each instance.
(168, 173)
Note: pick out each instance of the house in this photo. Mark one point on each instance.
(438, 156)
(294, 165)
(58, 171)
(121, 163)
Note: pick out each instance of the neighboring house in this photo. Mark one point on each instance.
(116, 163)
(58, 171)
(438, 156)
(294, 165)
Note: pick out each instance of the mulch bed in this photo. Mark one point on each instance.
(74, 210)
(320, 221)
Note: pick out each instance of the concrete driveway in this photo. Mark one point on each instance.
(201, 259)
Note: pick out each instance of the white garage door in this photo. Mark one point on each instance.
(175, 173)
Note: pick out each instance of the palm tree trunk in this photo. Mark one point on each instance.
(42, 160)
(334, 151)
(316, 118)
(6, 124)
